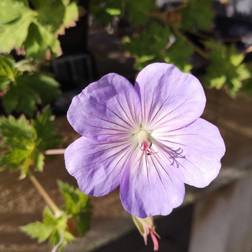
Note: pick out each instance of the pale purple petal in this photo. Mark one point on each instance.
(199, 148)
(150, 186)
(168, 96)
(106, 108)
(97, 167)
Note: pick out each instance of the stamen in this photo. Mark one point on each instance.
(172, 154)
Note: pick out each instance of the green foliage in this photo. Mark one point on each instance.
(197, 15)
(41, 43)
(23, 90)
(23, 142)
(71, 14)
(45, 129)
(15, 19)
(105, 11)
(25, 24)
(52, 228)
(163, 35)
(226, 68)
(74, 218)
(17, 143)
(7, 72)
(113, 11)
(155, 38)
(139, 12)
(179, 54)
(77, 205)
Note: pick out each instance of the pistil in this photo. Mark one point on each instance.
(143, 138)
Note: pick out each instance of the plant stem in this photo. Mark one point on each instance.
(45, 195)
(55, 152)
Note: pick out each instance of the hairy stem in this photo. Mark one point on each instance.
(45, 195)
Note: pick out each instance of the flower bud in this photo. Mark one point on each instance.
(146, 227)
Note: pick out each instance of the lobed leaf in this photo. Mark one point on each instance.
(179, 53)
(38, 230)
(77, 205)
(23, 142)
(17, 143)
(22, 88)
(52, 228)
(44, 126)
(232, 72)
(155, 37)
(197, 15)
(15, 19)
(27, 27)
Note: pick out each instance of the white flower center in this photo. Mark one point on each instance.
(143, 138)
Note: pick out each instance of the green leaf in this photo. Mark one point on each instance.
(247, 86)
(49, 218)
(113, 11)
(16, 131)
(28, 91)
(44, 7)
(236, 58)
(7, 70)
(179, 54)
(8, 73)
(17, 144)
(41, 42)
(21, 98)
(60, 228)
(99, 9)
(155, 37)
(15, 19)
(226, 68)
(38, 230)
(44, 85)
(75, 200)
(77, 205)
(23, 142)
(23, 89)
(45, 129)
(27, 25)
(52, 228)
(197, 15)
(143, 60)
(39, 160)
(139, 11)
(71, 14)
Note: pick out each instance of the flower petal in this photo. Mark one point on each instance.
(168, 96)
(106, 108)
(97, 167)
(202, 149)
(150, 186)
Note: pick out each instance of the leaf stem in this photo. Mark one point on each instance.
(55, 152)
(45, 196)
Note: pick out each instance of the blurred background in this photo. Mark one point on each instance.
(50, 50)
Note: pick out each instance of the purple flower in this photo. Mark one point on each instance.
(146, 139)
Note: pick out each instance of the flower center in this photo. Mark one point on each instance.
(143, 138)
